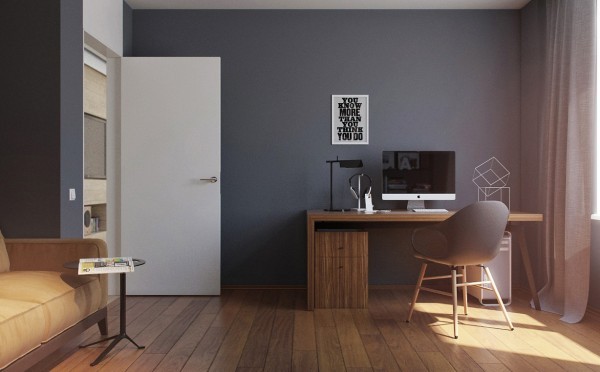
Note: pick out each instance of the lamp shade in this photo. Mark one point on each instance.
(351, 164)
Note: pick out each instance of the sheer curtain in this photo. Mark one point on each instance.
(566, 143)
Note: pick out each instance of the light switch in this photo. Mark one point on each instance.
(72, 195)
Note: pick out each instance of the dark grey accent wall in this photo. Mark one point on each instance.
(30, 127)
(436, 80)
(38, 100)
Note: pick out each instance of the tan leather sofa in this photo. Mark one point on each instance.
(42, 304)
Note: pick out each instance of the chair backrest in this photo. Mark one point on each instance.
(473, 234)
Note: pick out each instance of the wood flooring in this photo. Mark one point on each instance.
(270, 330)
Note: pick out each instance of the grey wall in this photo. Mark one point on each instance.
(437, 80)
(127, 29)
(533, 40)
(71, 117)
(41, 104)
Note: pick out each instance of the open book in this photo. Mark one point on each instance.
(105, 265)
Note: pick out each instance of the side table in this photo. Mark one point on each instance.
(122, 316)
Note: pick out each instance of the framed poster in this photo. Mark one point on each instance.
(349, 119)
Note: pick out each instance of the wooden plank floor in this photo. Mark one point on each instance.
(269, 330)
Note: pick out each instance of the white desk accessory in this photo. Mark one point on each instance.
(368, 202)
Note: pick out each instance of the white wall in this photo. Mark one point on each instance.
(103, 21)
(103, 26)
(113, 165)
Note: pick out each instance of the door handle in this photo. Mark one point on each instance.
(211, 180)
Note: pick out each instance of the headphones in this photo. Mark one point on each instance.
(356, 193)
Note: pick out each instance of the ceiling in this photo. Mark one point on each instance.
(327, 4)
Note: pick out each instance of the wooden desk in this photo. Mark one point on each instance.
(315, 216)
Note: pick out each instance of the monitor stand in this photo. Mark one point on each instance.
(415, 204)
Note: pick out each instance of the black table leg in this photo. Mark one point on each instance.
(122, 326)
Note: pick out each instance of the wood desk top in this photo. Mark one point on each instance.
(406, 216)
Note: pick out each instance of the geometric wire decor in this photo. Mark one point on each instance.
(491, 178)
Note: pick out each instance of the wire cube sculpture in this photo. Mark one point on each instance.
(491, 178)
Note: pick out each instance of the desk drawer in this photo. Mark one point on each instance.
(341, 269)
(341, 282)
(341, 244)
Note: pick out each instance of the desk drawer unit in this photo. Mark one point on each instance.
(341, 270)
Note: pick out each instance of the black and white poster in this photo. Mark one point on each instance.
(349, 119)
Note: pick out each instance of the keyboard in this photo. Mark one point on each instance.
(430, 210)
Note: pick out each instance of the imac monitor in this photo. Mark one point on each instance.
(418, 175)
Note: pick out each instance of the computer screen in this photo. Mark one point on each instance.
(418, 175)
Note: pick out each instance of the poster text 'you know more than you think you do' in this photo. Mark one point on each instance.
(349, 119)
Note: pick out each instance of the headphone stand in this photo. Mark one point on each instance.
(357, 193)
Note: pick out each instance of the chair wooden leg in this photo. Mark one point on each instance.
(464, 289)
(489, 275)
(416, 293)
(454, 301)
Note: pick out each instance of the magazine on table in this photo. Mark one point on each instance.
(105, 265)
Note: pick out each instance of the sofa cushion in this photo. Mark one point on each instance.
(4, 262)
(21, 328)
(65, 298)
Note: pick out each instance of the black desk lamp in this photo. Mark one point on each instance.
(343, 164)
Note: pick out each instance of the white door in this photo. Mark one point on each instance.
(170, 142)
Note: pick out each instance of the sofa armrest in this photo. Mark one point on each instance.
(52, 254)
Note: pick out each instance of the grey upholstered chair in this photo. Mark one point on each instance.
(470, 237)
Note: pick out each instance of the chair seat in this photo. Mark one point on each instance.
(449, 261)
